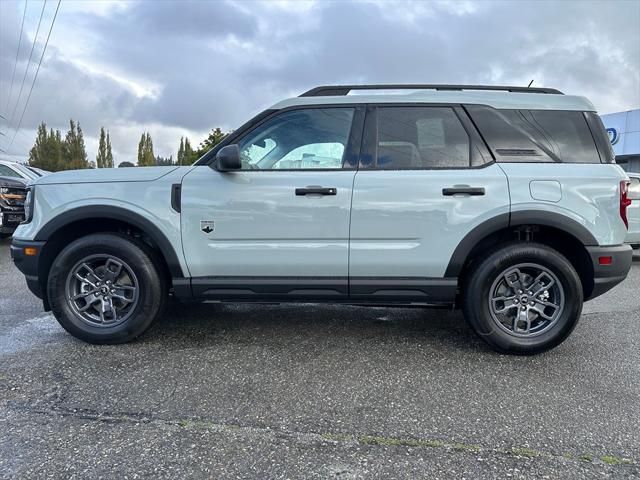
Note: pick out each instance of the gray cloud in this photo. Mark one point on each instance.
(181, 68)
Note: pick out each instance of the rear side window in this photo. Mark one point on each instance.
(420, 137)
(536, 135)
(567, 134)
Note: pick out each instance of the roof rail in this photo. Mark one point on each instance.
(341, 90)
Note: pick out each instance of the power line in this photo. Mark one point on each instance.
(24, 14)
(36, 75)
(26, 69)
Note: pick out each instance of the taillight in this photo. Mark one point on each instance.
(625, 201)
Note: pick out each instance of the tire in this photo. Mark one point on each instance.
(136, 296)
(501, 276)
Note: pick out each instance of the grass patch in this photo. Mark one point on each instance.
(405, 442)
(337, 437)
(466, 447)
(525, 452)
(184, 423)
(586, 457)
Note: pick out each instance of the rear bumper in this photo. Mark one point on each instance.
(28, 265)
(608, 276)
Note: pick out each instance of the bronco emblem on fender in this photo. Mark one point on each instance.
(206, 226)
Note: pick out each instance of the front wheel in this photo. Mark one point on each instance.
(525, 298)
(106, 288)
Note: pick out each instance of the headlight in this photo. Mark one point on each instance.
(28, 204)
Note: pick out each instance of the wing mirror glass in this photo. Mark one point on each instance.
(228, 159)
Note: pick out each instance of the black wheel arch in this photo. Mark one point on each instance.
(553, 229)
(101, 218)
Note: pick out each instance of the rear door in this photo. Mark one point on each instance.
(280, 226)
(425, 181)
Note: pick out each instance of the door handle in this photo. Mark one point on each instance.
(316, 191)
(462, 191)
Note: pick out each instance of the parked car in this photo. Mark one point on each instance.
(12, 196)
(18, 170)
(503, 201)
(633, 211)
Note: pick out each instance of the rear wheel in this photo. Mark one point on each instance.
(524, 298)
(106, 288)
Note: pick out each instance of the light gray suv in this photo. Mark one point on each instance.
(504, 201)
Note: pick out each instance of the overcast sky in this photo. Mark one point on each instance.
(182, 68)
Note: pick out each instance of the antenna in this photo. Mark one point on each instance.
(528, 86)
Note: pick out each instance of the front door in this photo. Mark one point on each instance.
(280, 226)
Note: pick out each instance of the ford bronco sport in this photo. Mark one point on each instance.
(504, 201)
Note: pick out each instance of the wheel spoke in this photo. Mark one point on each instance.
(522, 317)
(506, 302)
(89, 304)
(513, 278)
(543, 286)
(113, 268)
(84, 294)
(541, 309)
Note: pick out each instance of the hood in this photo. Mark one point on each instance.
(105, 175)
(12, 182)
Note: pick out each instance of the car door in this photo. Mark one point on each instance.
(279, 227)
(425, 182)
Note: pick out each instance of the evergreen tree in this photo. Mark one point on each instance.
(181, 152)
(146, 157)
(109, 154)
(163, 161)
(74, 153)
(101, 157)
(47, 149)
(214, 138)
(189, 154)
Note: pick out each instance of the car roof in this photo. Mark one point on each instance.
(497, 97)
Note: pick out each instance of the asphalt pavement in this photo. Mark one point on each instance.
(315, 391)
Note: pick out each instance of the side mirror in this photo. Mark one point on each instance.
(228, 159)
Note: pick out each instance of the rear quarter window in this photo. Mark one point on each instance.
(536, 135)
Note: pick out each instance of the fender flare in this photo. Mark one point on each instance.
(115, 213)
(514, 219)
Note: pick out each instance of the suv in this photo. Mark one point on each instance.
(12, 196)
(504, 201)
(633, 236)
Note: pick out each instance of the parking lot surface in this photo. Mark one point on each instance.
(314, 391)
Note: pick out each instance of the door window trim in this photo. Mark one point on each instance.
(479, 155)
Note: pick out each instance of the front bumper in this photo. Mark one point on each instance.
(28, 265)
(608, 275)
(10, 220)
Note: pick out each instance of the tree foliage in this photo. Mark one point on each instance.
(109, 154)
(74, 152)
(146, 158)
(215, 137)
(51, 152)
(125, 164)
(101, 157)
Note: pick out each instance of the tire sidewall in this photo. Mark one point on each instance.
(150, 289)
(477, 309)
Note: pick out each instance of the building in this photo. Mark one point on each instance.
(624, 132)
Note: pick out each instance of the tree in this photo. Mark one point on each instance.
(146, 157)
(181, 152)
(101, 157)
(186, 154)
(214, 138)
(47, 150)
(126, 164)
(74, 152)
(163, 161)
(109, 154)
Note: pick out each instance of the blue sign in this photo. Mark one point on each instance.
(613, 135)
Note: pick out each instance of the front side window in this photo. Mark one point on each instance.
(421, 137)
(310, 138)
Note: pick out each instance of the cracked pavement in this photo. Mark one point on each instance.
(314, 391)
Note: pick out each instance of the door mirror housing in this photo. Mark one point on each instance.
(228, 159)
